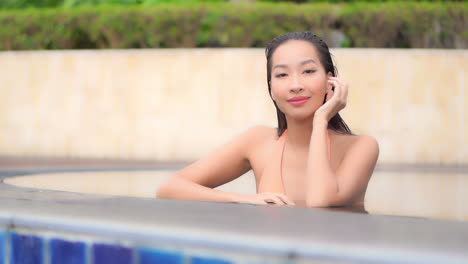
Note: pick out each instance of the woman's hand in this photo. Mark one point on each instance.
(336, 101)
(266, 198)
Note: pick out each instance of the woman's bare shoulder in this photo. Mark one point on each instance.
(348, 141)
(365, 141)
(367, 144)
(262, 132)
(350, 137)
(259, 135)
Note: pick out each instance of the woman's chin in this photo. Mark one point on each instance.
(300, 116)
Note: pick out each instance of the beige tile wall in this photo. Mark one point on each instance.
(180, 104)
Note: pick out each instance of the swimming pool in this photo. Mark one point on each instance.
(431, 193)
(108, 216)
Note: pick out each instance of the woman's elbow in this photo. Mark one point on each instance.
(164, 190)
(161, 192)
(323, 201)
(317, 203)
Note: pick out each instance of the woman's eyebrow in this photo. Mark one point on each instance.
(308, 61)
(302, 63)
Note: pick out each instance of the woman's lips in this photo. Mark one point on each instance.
(298, 100)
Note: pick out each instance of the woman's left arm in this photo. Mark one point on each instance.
(326, 188)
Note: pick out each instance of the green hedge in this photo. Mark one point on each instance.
(399, 25)
(74, 3)
(17, 4)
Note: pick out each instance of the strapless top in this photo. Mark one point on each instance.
(271, 179)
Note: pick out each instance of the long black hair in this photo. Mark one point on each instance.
(336, 123)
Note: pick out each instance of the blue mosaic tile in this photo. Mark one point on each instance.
(67, 252)
(115, 254)
(153, 256)
(201, 260)
(2, 247)
(26, 249)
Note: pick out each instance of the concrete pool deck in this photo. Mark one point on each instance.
(238, 233)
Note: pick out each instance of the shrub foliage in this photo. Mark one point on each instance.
(383, 25)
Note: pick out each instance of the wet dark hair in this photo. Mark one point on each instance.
(336, 123)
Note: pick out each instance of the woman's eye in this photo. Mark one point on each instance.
(309, 71)
(280, 75)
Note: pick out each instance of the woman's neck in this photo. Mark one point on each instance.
(299, 132)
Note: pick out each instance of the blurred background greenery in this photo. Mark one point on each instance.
(74, 3)
(123, 24)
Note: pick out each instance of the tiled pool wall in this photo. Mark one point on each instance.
(22, 246)
(2, 245)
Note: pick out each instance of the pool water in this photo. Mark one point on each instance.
(439, 195)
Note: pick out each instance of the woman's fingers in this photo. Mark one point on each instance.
(341, 89)
(340, 85)
(330, 95)
(266, 198)
(274, 199)
(335, 84)
(278, 198)
(285, 199)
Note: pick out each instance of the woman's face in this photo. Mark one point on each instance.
(298, 79)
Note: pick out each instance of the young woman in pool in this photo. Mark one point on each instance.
(311, 159)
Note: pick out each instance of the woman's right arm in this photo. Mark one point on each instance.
(196, 182)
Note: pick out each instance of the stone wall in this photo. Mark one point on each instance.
(179, 104)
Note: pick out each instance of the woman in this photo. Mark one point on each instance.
(312, 159)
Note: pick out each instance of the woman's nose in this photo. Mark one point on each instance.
(295, 85)
(296, 89)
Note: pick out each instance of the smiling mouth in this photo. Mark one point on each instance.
(297, 101)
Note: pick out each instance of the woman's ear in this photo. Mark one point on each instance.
(329, 86)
